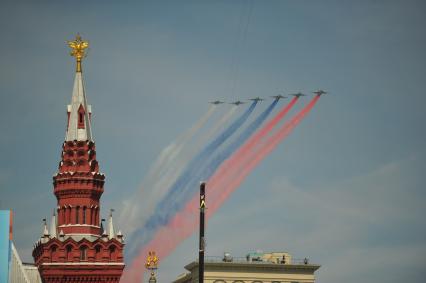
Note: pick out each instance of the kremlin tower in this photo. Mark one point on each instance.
(76, 248)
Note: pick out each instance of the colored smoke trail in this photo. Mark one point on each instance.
(185, 222)
(143, 206)
(209, 166)
(168, 158)
(253, 141)
(216, 128)
(191, 173)
(160, 188)
(167, 238)
(174, 167)
(227, 184)
(172, 151)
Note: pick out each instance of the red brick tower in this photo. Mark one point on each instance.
(76, 248)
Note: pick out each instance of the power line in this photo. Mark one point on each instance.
(237, 56)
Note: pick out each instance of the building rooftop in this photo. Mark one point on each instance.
(255, 262)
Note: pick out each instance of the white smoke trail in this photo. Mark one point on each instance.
(174, 160)
(176, 166)
(172, 151)
(216, 128)
(132, 207)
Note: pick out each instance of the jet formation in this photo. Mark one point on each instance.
(278, 97)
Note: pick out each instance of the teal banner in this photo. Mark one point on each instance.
(5, 238)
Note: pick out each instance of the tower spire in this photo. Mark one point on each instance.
(52, 232)
(45, 231)
(79, 111)
(111, 232)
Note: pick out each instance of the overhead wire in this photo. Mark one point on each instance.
(242, 40)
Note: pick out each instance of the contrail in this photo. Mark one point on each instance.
(158, 172)
(184, 223)
(173, 204)
(216, 128)
(222, 189)
(159, 187)
(209, 166)
(191, 173)
(175, 168)
(171, 152)
(254, 140)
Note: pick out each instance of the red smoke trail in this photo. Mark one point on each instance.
(185, 222)
(230, 163)
(223, 189)
(167, 238)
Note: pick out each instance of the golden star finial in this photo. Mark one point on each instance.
(78, 47)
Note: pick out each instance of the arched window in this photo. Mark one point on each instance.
(77, 214)
(83, 253)
(64, 215)
(69, 253)
(112, 253)
(98, 255)
(81, 117)
(53, 253)
(84, 215)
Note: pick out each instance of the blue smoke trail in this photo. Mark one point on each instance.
(191, 173)
(230, 149)
(175, 203)
(209, 167)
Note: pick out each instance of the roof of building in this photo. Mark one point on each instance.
(214, 264)
(276, 262)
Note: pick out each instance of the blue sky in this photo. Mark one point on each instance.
(345, 189)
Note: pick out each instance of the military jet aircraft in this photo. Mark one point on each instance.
(237, 103)
(278, 96)
(216, 102)
(299, 94)
(320, 92)
(257, 99)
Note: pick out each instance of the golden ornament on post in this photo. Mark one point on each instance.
(152, 264)
(78, 47)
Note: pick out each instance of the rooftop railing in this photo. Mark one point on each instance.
(217, 259)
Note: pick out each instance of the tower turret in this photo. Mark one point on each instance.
(80, 253)
(53, 228)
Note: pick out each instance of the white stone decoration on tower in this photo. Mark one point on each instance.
(53, 233)
(111, 232)
(79, 113)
